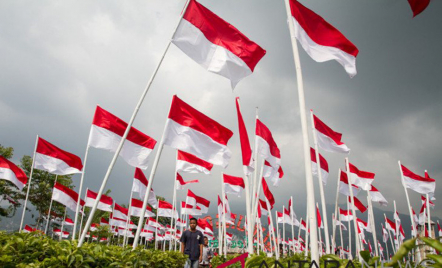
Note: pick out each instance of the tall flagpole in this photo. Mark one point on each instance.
(306, 145)
(255, 174)
(82, 216)
(62, 223)
(307, 234)
(50, 207)
(224, 218)
(256, 195)
(340, 231)
(125, 238)
(372, 222)
(126, 132)
(353, 207)
(349, 231)
(429, 214)
(319, 235)
(389, 234)
(29, 186)
(336, 211)
(79, 192)
(272, 229)
(321, 186)
(395, 221)
(292, 223)
(173, 203)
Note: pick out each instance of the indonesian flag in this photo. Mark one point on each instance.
(105, 203)
(194, 200)
(267, 147)
(417, 183)
(146, 233)
(422, 214)
(362, 179)
(136, 206)
(152, 222)
(181, 183)
(187, 209)
(424, 200)
(115, 221)
(401, 233)
(396, 217)
(191, 164)
(390, 225)
(345, 215)
(120, 212)
(229, 236)
(328, 139)
(303, 225)
(140, 185)
(322, 41)
(66, 196)
(384, 234)
(376, 196)
(10, 172)
(439, 229)
(68, 221)
(358, 204)
(10, 200)
(216, 45)
(165, 209)
(344, 187)
(363, 225)
(233, 185)
(267, 193)
(417, 6)
(193, 132)
(180, 223)
(290, 212)
(263, 207)
(28, 229)
(54, 160)
(324, 166)
(318, 216)
(58, 233)
(94, 227)
(339, 223)
(275, 175)
(103, 221)
(106, 133)
(247, 160)
(415, 218)
(103, 239)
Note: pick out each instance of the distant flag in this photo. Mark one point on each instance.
(328, 139)
(103, 221)
(362, 179)
(105, 203)
(181, 183)
(263, 205)
(422, 214)
(246, 150)
(140, 185)
(28, 229)
(189, 163)
(233, 185)
(344, 186)
(10, 200)
(10, 172)
(417, 6)
(136, 206)
(68, 221)
(193, 132)
(345, 215)
(165, 209)
(415, 218)
(303, 225)
(120, 212)
(196, 200)
(322, 41)
(215, 44)
(94, 227)
(324, 166)
(358, 204)
(187, 209)
(267, 193)
(424, 200)
(288, 218)
(390, 225)
(363, 225)
(384, 234)
(66, 196)
(417, 183)
(267, 146)
(275, 175)
(318, 217)
(376, 196)
(54, 160)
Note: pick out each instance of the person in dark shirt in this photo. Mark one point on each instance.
(192, 244)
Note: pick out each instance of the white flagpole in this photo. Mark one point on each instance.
(353, 207)
(220, 240)
(371, 220)
(125, 238)
(224, 216)
(156, 228)
(292, 224)
(307, 234)
(258, 189)
(306, 145)
(429, 215)
(50, 207)
(336, 211)
(273, 232)
(29, 186)
(74, 231)
(396, 222)
(349, 231)
(389, 234)
(299, 234)
(283, 230)
(255, 171)
(62, 223)
(321, 187)
(173, 205)
(120, 146)
(82, 215)
(319, 235)
(340, 231)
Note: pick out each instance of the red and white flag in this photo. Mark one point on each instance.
(94, 227)
(275, 175)
(267, 147)
(417, 183)
(358, 204)
(328, 139)
(165, 209)
(263, 205)
(417, 6)
(215, 44)
(180, 223)
(339, 223)
(66, 196)
(345, 215)
(120, 212)
(140, 185)
(195, 200)
(103, 221)
(152, 222)
(181, 183)
(324, 166)
(54, 160)
(246, 150)
(439, 230)
(376, 196)
(28, 229)
(415, 218)
(318, 217)
(105, 203)
(136, 206)
(362, 179)
(68, 221)
(187, 209)
(106, 133)
(10, 172)
(191, 164)
(267, 193)
(384, 234)
(390, 225)
(363, 225)
(344, 187)
(424, 200)
(303, 225)
(322, 41)
(57, 232)
(233, 185)
(423, 214)
(193, 132)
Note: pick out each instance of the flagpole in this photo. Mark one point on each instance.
(62, 223)
(125, 238)
(340, 231)
(336, 210)
(429, 215)
(319, 234)
(272, 228)
(353, 207)
(29, 186)
(123, 138)
(256, 194)
(173, 202)
(82, 215)
(389, 234)
(349, 230)
(156, 227)
(306, 146)
(371, 219)
(79, 192)
(224, 215)
(299, 234)
(255, 171)
(292, 224)
(50, 207)
(395, 222)
(307, 234)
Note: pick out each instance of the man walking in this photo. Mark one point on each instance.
(192, 244)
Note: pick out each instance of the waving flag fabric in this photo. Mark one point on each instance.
(120, 212)
(28, 229)
(345, 215)
(390, 225)
(275, 175)
(165, 209)
(191, 164)
(66, 196)
(417, 6)
(323, 163)
(344, 186)
(140, 185)
(358, 204)
(417, 183)
(193, 132)
(322, 41)
(376, 196)
(68, 221)
(263, 205)
(267, 147)
(105, 203)
(136, 206)
(215, 44)
(424, 200)
(318, 217)
(328, 139)
(362, 179)
(181, 183)
(10, 172)
(233, 185)
(267, 193)
(54, 160)
(107, 131)
(195, 200)
(246, 150)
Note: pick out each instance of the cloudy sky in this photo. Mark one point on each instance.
(61, 59)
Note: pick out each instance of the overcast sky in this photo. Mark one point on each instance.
(60, 59)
